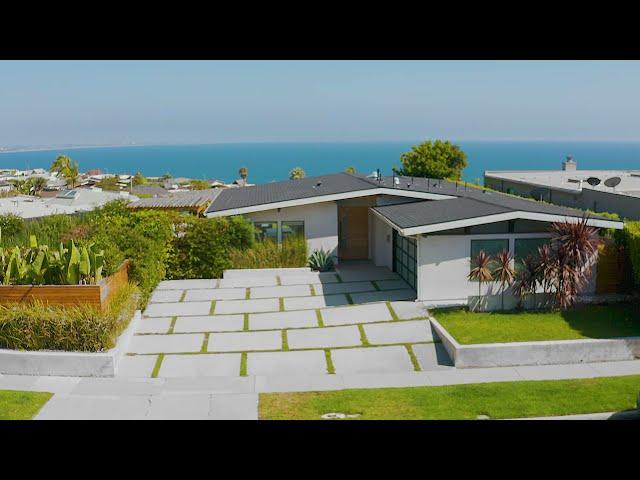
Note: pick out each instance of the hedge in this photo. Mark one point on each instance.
(630, 237)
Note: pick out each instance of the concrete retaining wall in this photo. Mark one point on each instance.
(537, 353)
(68, 364)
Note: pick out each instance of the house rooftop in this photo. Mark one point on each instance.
(193, 200)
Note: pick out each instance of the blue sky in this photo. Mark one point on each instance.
(55, 102)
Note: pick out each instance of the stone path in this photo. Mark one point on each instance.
(360, 320)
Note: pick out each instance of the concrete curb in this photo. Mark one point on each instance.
(69, 364)
(537, 353)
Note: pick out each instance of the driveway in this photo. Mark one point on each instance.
(284, 322)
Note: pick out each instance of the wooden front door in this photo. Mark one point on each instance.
(353, 233)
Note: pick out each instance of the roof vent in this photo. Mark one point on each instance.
(569, 165)
(317, 185)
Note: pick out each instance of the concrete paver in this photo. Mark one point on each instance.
(406, 310)
(226, 364)
(154, 325)
(215, 294)
(319, 301)
(383, 296)
(187, 284)
(161, 296)
(178, 343)
(399, 332)
(282, 291)
(282, 320)
(372, 360)
(132, 366)
(247, 306)
(347, 287)
(432, 356)
(356, 314)
(324, 337)
(307, 278)
(180, 308)
(209, 323)
(285, 363)
(245, 341)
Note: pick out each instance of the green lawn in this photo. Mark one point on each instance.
(16, 405)
(460, 402)
(596, 321)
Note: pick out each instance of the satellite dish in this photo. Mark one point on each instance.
(593, 181)
(612, 182)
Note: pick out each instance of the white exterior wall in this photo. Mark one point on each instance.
(444, 264)
(382, 244)
(320, 223)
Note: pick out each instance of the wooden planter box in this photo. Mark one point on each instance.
(98, 295)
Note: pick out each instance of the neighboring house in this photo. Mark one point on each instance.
(5, 186)
(65, 202)
(426, 230)
(150, 191)
(614, 191)
(195, 202)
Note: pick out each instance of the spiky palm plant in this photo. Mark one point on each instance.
(527, 278)
(481, 271)
(504, 272)
(574, 249)
(296, 173)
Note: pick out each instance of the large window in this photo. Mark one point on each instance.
(266, 231)
(527, 246)
(404, 258)
(490, 247)
(292, 229)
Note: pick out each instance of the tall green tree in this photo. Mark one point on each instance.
(139, 179)
(243, 172)
(434, 159)
(297, 173)
(66, 167)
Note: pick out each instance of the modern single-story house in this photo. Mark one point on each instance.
(424, 229)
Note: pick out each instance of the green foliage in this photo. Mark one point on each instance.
(200, 184)
(109, 183)
(439, 159)
(30, 186)
(630, 239)
(40, 265)
(10, 225)
(139, 179)
(351, 170)
(320, 260)
(37, 326)
(202, 246)
(268, 254)
(243, 172)
(296, 173)
(66, 167)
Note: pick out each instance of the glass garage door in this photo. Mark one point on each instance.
(404, 258)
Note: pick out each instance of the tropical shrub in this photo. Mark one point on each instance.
(10, 225)
(481, 271)
(320, 260)
(40, 265)
(504, 273)
(268, 254)
(50, 230)
(202, 247)
(83, 328)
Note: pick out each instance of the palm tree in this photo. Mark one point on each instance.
(243, 172)
(351, 170)
(38, 184)
(527, 278)
(296, 173)
(504, 272)
(60, 164)
(481, 272)
(66, 167)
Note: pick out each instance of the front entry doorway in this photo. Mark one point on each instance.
(353, 232)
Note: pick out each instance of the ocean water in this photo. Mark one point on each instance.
(272, 161)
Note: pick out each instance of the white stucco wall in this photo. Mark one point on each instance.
(320, 223)
(444, 263)
(382, 245)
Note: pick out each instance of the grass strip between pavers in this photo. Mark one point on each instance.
(243, 364)
(184, 294)
(330, 368)
(499, 400)
(281, 302)
(245, 324)
(363, 335)
(285, 341)
(394, 315)
(213, 307)
(375, 285)
(278, 281)
(349, 299)
(414, 359)
(205, 343)
(338, 277)
(172, 327)
(312, 290)
(156, 367)
(319, 317)
(247, 294)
